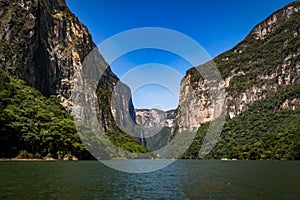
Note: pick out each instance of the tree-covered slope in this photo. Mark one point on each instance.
(30, 122)
(44, 44)
(261, 79)
(269, 129)
(34, 126)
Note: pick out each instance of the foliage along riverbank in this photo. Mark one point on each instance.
(266, 131)
(33, 126)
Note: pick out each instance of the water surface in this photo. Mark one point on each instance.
(184, 179)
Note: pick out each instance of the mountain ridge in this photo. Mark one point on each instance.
(45, 45)
(265, 62)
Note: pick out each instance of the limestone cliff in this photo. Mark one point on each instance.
(268, 58)
(153, 120)
(46, 45)
(43, 43)
(157, 126)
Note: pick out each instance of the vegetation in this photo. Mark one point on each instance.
(33, 126)
(126, 142)
(264, 131)
(257, 57)
(160, 139)
(113, 131)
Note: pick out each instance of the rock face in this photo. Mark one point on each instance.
(156, 125)
(274, 21)
(196, 104)
(43, 43)
(122, 107)
(268, 58)
(153, 120)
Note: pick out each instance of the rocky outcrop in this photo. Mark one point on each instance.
(194, 102)
(122, 108)
(153, 120)
(263, 29)
(43, 43)
(267, 59)
(156, 126)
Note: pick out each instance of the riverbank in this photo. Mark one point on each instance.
(38, 159)
(17, 159)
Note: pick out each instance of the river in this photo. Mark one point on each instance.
(183, 179)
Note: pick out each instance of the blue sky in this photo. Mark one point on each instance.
(217, 25)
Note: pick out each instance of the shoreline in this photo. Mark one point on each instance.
(31, 160)
(53, 160)
(17, 159)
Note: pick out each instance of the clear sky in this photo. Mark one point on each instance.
(218, 25)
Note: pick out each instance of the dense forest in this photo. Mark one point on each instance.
(33, 126)
(263, 92)
(266, 130)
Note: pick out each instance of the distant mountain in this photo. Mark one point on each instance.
(157, 126)
(44, 44)
(262, 82)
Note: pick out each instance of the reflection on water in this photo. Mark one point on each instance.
(183, 179)
(138, 166)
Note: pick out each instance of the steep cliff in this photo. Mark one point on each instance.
(154, 119)
(43, 43)
(157, 126)
(33, 126)
(264, 65)
(267, 58)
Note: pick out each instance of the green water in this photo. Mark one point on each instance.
(184, 179)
